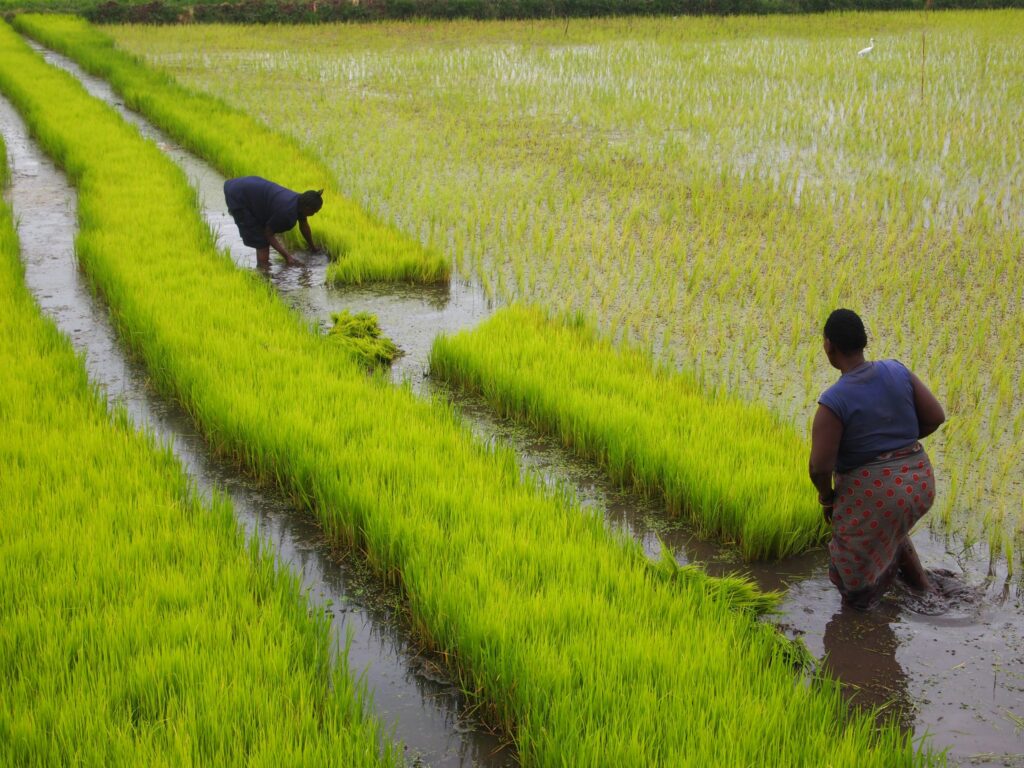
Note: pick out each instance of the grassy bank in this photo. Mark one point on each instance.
(731, 467)
(139, 628)
(566, 636)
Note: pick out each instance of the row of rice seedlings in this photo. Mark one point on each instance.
(139, 627)
(565, 634)
(710, 188)
(734, 468)
(364, 248)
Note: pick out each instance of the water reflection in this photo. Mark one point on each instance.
(860, 650)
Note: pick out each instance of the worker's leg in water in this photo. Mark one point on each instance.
(911, 570)
(263, 256)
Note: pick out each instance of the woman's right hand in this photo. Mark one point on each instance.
(827, 505)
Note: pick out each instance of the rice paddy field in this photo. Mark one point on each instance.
(116, 648)
(709, 188)
(665, 211)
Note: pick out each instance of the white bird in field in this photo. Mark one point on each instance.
(868, 50)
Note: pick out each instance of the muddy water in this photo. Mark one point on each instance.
(422, 709)
(953, 670)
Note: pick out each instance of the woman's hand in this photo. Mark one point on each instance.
(827, 505)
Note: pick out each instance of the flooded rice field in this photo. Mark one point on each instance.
(950, 670)
(409, 693)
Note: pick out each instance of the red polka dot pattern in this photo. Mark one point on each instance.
(870, 519)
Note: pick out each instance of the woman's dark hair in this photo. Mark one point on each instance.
(311, 201)
(845, 329)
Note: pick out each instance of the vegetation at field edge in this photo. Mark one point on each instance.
(732, 467)
(326, 11)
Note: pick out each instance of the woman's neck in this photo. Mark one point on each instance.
(849, 362)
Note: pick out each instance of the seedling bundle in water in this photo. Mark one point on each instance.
(362, 335)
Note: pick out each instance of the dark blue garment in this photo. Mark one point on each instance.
(875, 403)
(257, 205)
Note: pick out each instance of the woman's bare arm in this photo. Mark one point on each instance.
(930, 415)
(826, 432)
(306, 233)
(278, 246)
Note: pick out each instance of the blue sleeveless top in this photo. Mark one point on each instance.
(875, 403)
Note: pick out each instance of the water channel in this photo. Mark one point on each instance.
(416, 702)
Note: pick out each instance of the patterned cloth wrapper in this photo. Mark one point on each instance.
(876, 505)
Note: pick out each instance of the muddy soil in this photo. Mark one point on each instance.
(418, 705)
(950, 670)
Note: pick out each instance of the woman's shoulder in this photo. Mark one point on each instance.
(834, 398)
(894, 366)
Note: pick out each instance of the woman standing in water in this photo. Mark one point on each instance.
(865, 439)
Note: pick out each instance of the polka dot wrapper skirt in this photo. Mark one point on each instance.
(876, 505)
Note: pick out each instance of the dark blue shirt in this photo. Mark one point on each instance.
(875, 403)
(269, 204)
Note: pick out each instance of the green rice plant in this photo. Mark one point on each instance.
(718, 184)
(565, 635)
(363, 248)
(139, 627)
(731, 467)
(361, 334)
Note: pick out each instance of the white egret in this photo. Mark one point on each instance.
(868, 50)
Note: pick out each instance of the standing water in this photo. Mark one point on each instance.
(952, 671)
